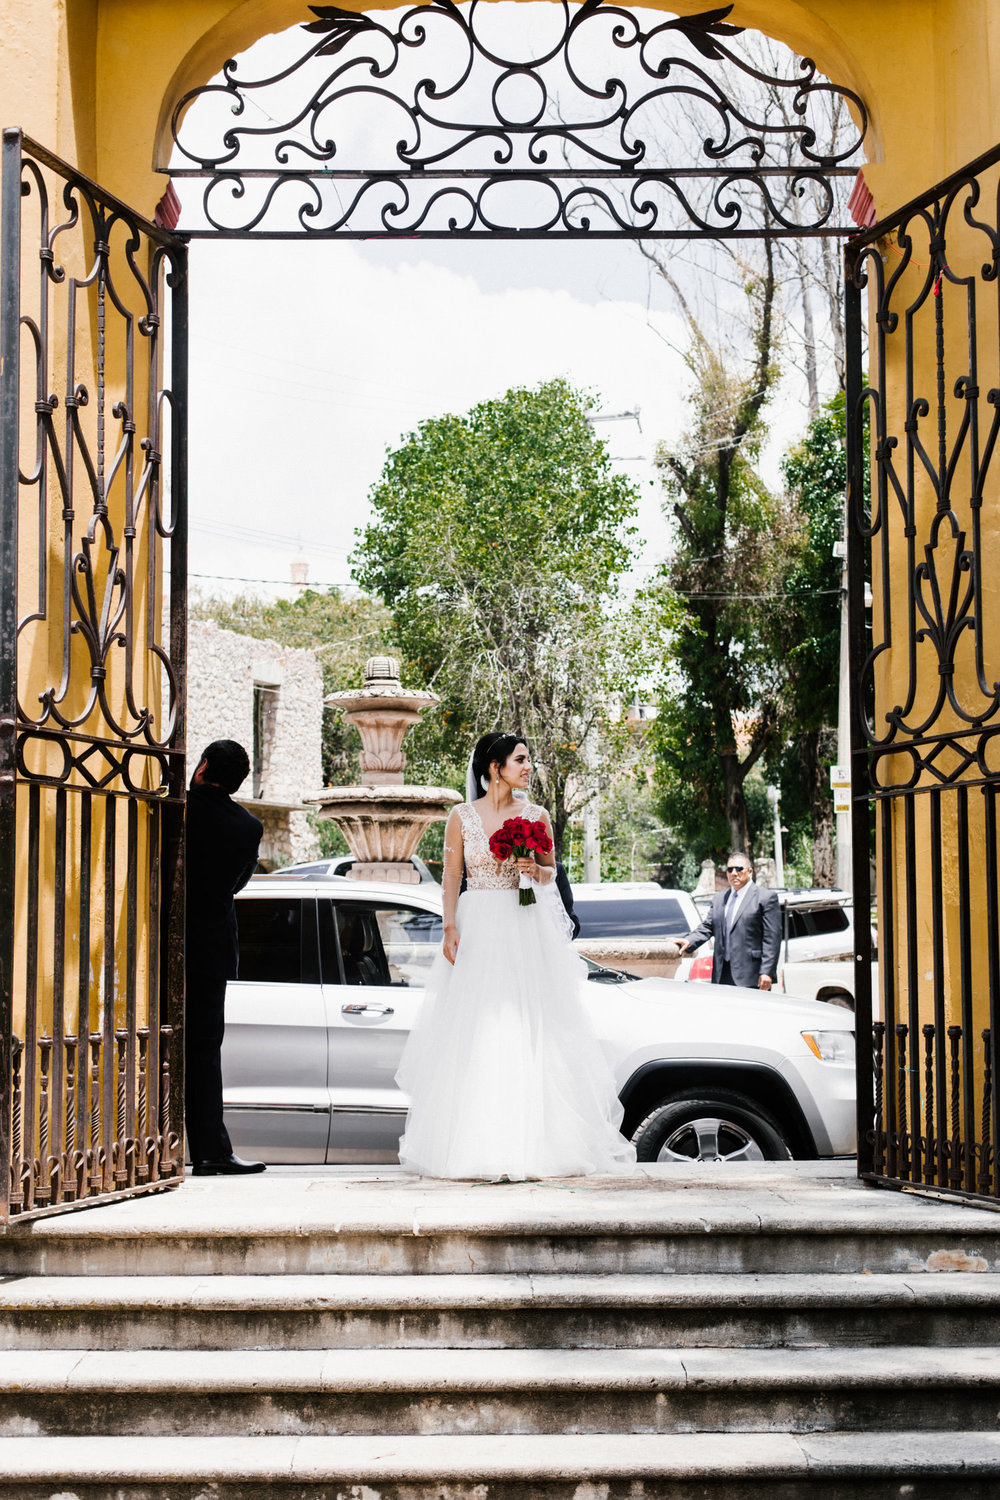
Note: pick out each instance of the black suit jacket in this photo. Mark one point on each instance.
(755, 938)
(222, 844)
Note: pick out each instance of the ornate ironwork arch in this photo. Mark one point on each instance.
(420, 124)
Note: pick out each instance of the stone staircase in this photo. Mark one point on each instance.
(774, 1331)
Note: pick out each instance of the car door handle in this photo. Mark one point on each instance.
(371, 1010)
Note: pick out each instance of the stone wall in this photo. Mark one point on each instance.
(234, 680)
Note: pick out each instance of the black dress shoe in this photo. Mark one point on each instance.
(226, 1166)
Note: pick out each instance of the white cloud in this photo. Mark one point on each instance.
(309, 360)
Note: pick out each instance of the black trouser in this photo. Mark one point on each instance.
(726, 977)
(204, 1027)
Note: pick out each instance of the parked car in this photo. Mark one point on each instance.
(632, 909)
(342, 864)
(828, 979)
(331, 977)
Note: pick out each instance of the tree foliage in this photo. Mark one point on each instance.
(815, 472)
(499, 540)
(722, 707)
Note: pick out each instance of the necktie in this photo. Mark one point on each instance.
(730, 913)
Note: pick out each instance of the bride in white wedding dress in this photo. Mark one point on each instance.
(504, 1074)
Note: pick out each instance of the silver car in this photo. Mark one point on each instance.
(331, 976)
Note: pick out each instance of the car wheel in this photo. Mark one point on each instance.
(719, 1129)
(841, 998)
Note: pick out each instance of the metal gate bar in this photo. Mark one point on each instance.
(92, 514)
(925, 666)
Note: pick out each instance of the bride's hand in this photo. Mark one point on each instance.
(527, 866)
(451, 944)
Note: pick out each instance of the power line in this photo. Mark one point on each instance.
(278, 583)
(270, 357)
(806, 594)
(274, 538)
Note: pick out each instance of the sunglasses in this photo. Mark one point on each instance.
(736, 869)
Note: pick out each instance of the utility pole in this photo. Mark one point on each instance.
(774, 797)
(619, 416)
(592, 842)
(591, 818)
(592, 811)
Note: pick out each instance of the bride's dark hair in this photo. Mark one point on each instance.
(492, 747)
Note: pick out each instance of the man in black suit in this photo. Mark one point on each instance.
(745, 922)
(222, 843)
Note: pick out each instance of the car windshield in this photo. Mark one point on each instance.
(638, 917)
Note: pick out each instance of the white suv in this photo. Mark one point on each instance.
(331, 977)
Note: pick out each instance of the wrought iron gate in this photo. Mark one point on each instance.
(925, 669)
(92, 501)
(605, 123)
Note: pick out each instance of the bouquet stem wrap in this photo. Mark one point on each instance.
(519, 838)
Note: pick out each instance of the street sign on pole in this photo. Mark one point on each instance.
(840, 782)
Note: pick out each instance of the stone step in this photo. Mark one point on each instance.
(826, 1466)
(516, 1312)
(433, 1392)
(211, 1227)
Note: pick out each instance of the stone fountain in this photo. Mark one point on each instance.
(383, 819)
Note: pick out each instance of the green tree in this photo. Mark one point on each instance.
(499, 541)
(815, 472)
(721, 590)
(632, 835)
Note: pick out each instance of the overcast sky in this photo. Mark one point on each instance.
(308, 361)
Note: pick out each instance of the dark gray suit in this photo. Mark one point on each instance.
(754, 940)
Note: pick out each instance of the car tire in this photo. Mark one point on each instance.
(709, 1128)
(841, 998)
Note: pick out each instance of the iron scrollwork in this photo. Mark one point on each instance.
(931, 479)
(566, 137)
(111, 564)
(925, 675)
(92, 597)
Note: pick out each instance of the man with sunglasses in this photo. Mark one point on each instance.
(745, 922)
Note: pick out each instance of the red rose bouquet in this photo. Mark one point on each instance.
(519, 838)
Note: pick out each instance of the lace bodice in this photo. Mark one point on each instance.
(484, 872)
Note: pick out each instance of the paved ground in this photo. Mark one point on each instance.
(773, 1195)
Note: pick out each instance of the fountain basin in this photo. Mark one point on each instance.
(383, 819)
(382, 712)
(383, 825)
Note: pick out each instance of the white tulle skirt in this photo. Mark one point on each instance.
(504, 1074)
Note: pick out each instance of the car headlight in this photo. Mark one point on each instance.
(831, 1046)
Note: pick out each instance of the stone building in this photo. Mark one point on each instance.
(270, 698)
